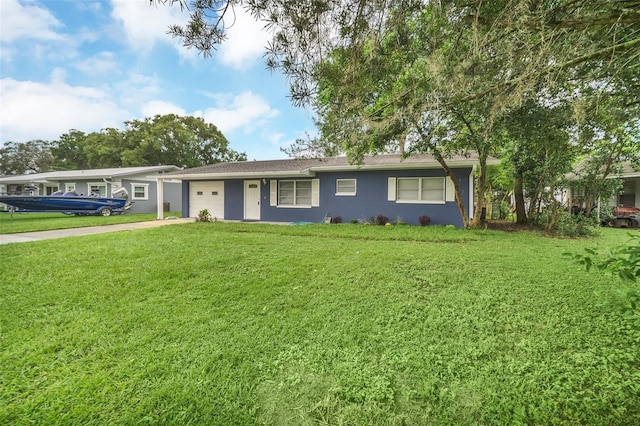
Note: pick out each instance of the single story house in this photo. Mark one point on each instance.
(311, 190)
(140, 183)
(628, 197)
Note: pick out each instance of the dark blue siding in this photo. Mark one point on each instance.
(234, 199)
(370, 199)
(284, 214)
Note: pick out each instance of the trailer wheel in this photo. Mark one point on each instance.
(105, 212)
(611, 223)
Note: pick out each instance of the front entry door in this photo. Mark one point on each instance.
(252, 200)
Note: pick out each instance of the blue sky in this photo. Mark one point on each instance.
(88, 65)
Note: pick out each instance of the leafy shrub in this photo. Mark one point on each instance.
(205, 216)
(623, 261)
(336, 219)
(424, 220)
(355, 221)
(381, 220)
(571, 225)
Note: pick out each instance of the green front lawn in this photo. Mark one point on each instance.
(323, 324)
(29, 222)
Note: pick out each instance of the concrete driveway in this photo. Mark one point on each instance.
(72, 232)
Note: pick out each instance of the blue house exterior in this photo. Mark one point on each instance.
(311, 190)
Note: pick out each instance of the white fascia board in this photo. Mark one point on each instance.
(246, 175)
(572, 176)
(397, 166)
(23, 179)
(146, 172)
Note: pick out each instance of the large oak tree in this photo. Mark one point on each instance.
(434, 76)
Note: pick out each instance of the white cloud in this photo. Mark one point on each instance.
(26, 21)
(31, 110)
(135, 89)
(246, 111)
(144, 24)
(246, 40)
(102, 63)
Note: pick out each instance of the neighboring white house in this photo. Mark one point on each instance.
(628, 197)
(140, 183)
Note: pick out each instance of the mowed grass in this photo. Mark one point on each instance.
(30, 222)
(220, 324)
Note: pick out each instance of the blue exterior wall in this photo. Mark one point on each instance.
(171, 195)
(234, 199)
(370, 199)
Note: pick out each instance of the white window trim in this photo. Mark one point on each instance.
(99, 184)
(295, 189)
(420, 178)
(350, 193)
(146, 191)
(54, 188)
(275, 194)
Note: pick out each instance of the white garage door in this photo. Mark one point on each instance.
(206, 195)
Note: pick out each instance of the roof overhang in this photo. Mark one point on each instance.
(23, 179)
(572, 176)
(312, 170)
(397, 166)
(241, 175)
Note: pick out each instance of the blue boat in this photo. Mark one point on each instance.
(69, 202)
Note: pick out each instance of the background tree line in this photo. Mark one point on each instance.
(163, 139)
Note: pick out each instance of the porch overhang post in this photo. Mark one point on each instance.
(160, 198)
(472, 192)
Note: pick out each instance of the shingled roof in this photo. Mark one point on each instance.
(308, 167)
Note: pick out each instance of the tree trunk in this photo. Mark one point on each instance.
(518, 194)
(553, 219)
(481, 186)
(459, 202)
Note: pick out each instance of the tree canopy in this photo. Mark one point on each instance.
(163, 139)
(545, 41)
(29, 157)
(445, 76)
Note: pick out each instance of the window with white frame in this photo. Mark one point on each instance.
(431, 189)
(97, 189)
(68, 187)
(294, 193)
(345, 187)
(140, 191)
(50, 189)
